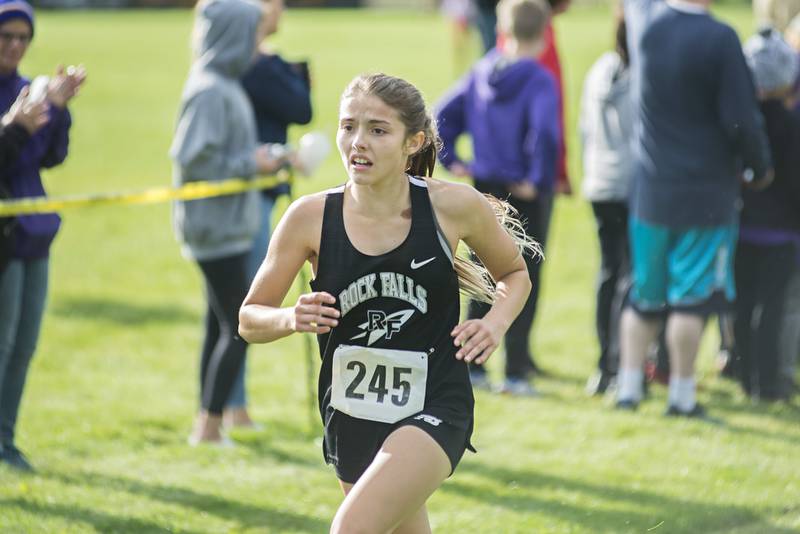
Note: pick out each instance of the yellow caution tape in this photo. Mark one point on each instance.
(190, 191)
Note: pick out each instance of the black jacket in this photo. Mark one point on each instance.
(778, 206)
(12, 138)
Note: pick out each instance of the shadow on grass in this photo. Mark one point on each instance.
(265, 448)
(788, 415)
(283, 442)
(246, 515)
(781, 411)
(101, 522)
(680, 515)
(560, 376)
(121, 312)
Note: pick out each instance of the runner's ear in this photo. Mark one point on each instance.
(414, 143)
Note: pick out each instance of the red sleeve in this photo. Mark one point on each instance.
(549, 60)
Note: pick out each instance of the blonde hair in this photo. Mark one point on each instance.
(524, 20)
(473, 278)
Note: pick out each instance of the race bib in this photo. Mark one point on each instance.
(378, 384)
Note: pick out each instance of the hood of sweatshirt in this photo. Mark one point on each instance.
(500, 79)
(225, 38)
(609, 80)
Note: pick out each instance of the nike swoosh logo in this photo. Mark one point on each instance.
(415, 265)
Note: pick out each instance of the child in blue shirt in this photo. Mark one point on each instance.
(508, 105)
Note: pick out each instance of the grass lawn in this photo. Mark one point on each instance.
(112, 390)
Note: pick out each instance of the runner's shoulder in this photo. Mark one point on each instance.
(307, 209)
(453, 199)
(303, 220)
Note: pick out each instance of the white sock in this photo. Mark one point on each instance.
(682, 393)
(629, 382)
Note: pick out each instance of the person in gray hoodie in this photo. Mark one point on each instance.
(215, 139)
(606, 128)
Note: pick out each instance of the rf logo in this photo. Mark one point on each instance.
(382, 326)
(377, 320)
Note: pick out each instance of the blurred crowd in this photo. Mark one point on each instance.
(690, 166)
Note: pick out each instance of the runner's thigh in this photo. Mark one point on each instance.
(405, 472)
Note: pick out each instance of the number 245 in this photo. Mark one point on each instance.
(377, 383)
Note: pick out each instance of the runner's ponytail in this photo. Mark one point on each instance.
(474, 279)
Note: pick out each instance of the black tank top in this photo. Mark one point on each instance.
(406, 299)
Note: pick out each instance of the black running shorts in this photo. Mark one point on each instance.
(351, 444)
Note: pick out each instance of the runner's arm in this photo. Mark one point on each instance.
(296, 239)
(468, 216)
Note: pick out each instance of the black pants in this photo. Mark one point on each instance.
(613, 280)
(223, 350)
(762, 275)
(486, 22)
(518, 358)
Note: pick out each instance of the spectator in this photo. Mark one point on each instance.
(792, 33)
(280, 94)
(551, 60)
(460, 13)
(23, 283)
(508, 105)
(23, 120)
(775, 13)
(215, 139)
(790, 333)
(486, 22)
(697, 119)
(767, 253)
(606, 127)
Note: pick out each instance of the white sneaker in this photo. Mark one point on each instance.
(480, 381)
(252, 427)
(224, 443)
(518, 387)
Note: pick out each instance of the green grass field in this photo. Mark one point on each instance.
(112, 390)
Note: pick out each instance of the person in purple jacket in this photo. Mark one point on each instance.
(23, 284)
(508, 104)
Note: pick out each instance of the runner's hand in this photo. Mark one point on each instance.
(478, 338)
(312, 313)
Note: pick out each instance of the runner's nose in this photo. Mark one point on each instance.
(358, 141)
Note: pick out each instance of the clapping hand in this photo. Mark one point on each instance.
(29, 115)
(65, 84)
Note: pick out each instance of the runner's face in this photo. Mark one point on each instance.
(371, 139)
(15, 35)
